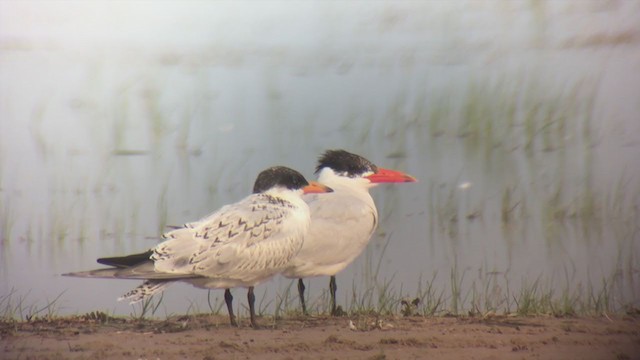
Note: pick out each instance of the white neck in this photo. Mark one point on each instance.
(328, 177)
(292, 196)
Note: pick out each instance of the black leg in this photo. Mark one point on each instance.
(252, 310)
(228, 298)
(301, 293)
(332, 289)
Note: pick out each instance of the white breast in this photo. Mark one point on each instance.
(342, 223)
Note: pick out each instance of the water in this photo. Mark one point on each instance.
(518, 118)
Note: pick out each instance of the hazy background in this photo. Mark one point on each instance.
(519, 118)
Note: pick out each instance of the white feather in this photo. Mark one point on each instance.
(342, 223)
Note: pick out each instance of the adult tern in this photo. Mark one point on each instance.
(341, 222)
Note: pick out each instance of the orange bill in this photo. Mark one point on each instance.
(315, 187)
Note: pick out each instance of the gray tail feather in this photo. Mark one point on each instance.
(147, 289)
(106, 273)
(144, 271)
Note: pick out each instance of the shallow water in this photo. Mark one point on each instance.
(519, 120)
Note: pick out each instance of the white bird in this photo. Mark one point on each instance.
(240, 245)
(341, 222)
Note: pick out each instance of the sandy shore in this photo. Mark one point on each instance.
(365, 337)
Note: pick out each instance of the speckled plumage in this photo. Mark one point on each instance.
(241, 244)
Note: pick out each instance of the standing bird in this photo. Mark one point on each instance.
(240, 245)
(341, 222)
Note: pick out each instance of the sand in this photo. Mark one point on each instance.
(361, 337)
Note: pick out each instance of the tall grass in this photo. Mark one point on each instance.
(148, 307)
(15, 306)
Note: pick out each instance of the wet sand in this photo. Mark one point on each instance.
(363, 337)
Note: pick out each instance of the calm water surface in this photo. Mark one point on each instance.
(518, 118)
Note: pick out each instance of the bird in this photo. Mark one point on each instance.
(240, 245)
(341, 222)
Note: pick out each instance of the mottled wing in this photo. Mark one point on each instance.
(256, 233)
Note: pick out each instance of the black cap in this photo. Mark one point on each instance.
(345, 163)
(279, 176)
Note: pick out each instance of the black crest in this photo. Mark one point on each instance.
(345, 163)
(279, 176)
